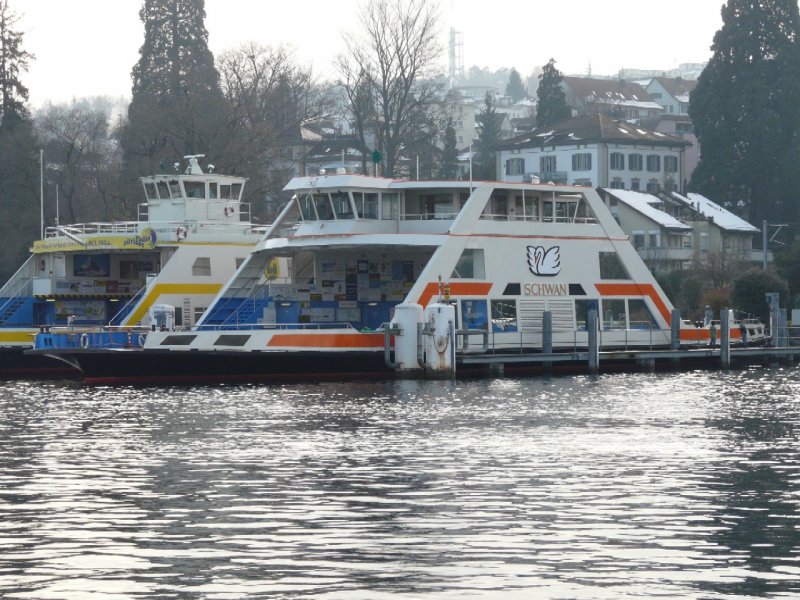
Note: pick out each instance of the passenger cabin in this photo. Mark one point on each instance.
(347, 249)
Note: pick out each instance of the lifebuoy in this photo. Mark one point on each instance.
(181, 233)
(84, 340)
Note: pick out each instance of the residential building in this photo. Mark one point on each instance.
(671, 93)
(597, 151)
(617, 98)
(674, 231)
(663, 241)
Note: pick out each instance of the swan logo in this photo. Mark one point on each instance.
(545, 263)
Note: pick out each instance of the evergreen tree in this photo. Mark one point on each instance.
(552, 106)
(485, 163)
(177, 107)
(449, 164)
(19, 157)
(14, 61)
(515, 87)
(746, 112)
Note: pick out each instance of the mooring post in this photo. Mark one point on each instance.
(594, 346)
(725, 338)
(675, 325)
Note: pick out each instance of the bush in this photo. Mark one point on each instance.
(750, 289)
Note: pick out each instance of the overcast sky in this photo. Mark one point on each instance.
(88, 47)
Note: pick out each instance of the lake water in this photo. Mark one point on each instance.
(672, 485)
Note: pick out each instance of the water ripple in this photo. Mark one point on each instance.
(626, 486)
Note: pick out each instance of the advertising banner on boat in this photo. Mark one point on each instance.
(144, 240)
(82, 310)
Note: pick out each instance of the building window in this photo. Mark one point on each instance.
(653, 240)
(201, 266)
(547, 164)
(515, 166)
(582, 162)
(638, 239)
(617, 183)
(617, 161)
(611, 266)
(653, 163)
(653, 186)
(635, 162)
(583, 182)
(671, 164)
(635, 186)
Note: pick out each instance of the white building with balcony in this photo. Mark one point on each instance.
(596, 151)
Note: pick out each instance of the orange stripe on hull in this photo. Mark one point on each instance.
(636, 289)
(456, 289)
(704, 335)
(314, 341)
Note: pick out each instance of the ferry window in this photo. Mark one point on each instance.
(212, 190)
(531, 208)
(195, 189)
(323, 205)
(389, 206)
(201, 266)
(471, 265)
(617, 161)
(342, 206)
(236, 191)
(150, 190)
(582, 162)
(370, 206)
(239, 262)
(611, 266)
(178, 316)
(613, 314)
(307, 208)
(504, 315)
(175, 188)
(473, 314)
(462, 200)
(634, 162)
(639, 315)
(198, 313)
(163, 190)
(582, 308)
(500, 206)
(224, 192)
(515, 166)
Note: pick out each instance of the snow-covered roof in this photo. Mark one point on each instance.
(722, 217)
(644, 204)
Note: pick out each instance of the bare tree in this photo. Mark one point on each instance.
(395, 57)
(82, 158)
(272, 99)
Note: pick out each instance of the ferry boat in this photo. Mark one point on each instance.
(338, 286)
(191, 234)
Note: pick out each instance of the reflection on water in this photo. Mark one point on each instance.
(625, 486)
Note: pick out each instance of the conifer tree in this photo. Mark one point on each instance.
(515, 88)
(19, 158)
(449, 164)
(14, 60)
(552, 106)
(485, 166)
(177, 107)
(746, 112)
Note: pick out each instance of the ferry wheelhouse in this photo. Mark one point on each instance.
(190, 235)
(326, 292)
